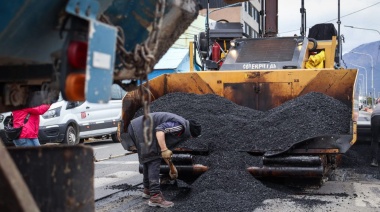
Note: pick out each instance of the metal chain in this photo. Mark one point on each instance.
(147, 118)
(143, 60)
(145, 100)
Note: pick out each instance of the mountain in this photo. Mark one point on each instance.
(362, 58)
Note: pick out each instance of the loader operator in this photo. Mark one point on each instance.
(169, 129)
(375, 131)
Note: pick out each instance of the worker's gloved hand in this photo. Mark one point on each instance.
(166, 154)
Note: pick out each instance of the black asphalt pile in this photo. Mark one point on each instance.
(228, 128)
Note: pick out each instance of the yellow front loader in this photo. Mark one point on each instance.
(264, 73)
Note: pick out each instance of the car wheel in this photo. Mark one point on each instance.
(71, 136)
(115, 139)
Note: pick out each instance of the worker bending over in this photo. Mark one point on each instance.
(168, 130)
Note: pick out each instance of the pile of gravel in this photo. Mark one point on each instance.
(228, 128)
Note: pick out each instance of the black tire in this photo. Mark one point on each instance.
(115, 139)
(71, 136)
(202, 42)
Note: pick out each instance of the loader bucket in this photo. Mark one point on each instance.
(259, 90)
(264, 90)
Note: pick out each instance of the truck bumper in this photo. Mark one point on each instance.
(51, 134)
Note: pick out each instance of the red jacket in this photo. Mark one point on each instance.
(30, 129)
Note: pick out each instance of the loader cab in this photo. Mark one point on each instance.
(228, 48)
(295, 52)
(212, 49)
(266, 53)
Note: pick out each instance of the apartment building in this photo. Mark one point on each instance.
(247, 13)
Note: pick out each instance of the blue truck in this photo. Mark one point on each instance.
(78, 48)
(82, 47)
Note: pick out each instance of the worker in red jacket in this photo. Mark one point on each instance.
(29, 133)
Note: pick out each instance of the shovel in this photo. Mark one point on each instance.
(173, 173)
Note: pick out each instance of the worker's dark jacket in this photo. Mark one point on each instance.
(375, 123)
(375, 130)
(376, 111)
(148, 153)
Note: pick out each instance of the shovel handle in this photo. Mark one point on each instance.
(173, 173)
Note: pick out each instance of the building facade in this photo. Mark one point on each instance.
(247, 13)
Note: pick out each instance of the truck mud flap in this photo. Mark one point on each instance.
(60, 178)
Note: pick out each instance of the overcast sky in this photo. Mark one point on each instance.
(357, 13)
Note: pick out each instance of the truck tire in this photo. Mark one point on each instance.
(115, 139)
(71, 136)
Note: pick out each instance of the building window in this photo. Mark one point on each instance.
(255, 34)
(258, 17)
(250, 9)
(245, 6)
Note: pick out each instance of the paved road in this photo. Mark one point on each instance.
(105, 149)
(116, 171)
(114, 166)
(115, 177)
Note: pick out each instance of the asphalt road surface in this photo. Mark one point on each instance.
(118, 187)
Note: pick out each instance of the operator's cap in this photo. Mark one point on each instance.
(195, 128)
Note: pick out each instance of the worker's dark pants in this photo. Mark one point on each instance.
(375, 130)
(151, 176)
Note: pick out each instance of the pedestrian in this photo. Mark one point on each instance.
(29, 133)
(375, 131)
(168, 130)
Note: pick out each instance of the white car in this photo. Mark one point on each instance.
(72, 122)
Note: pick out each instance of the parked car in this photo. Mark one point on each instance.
(72, 122)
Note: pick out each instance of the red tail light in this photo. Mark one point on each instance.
(77, 54)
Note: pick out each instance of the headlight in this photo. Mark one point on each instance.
(233, 43)
(52, 113)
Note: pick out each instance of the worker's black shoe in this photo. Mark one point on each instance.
(146, 193)
(159, 200)
(374, 162)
